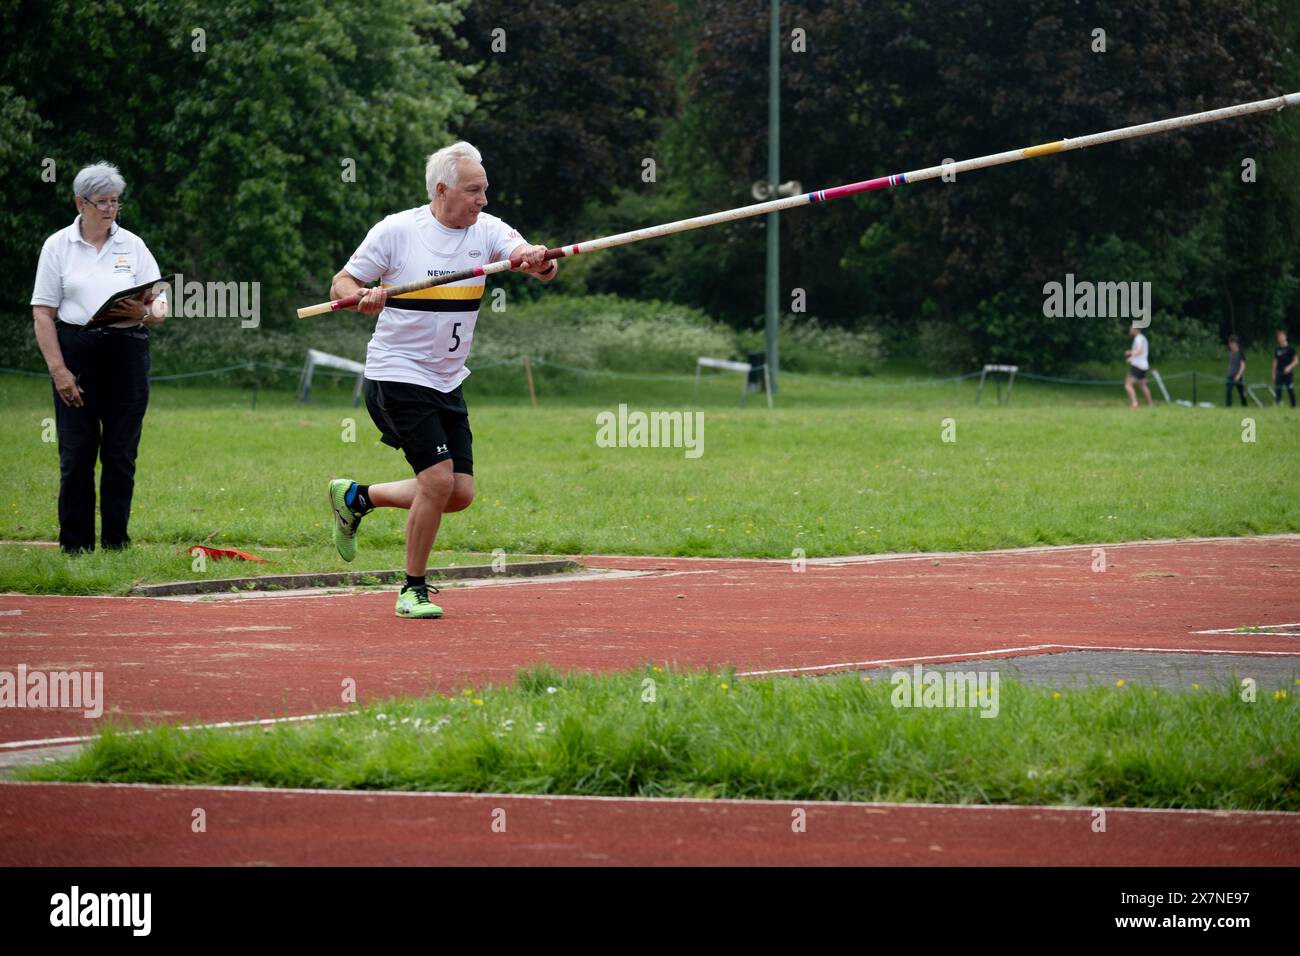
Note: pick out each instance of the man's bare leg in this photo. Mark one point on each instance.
(1147, 392)
(394, 494)
(434, 486)
(400, 494)
(427, 497)
(434, 492)
(1132, 395)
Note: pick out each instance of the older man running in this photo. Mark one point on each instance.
(415, 362)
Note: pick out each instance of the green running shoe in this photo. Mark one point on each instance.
(345, 522)
(414, 602)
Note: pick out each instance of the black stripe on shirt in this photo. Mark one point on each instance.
(434, 305)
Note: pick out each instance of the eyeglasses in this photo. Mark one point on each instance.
(105, 205)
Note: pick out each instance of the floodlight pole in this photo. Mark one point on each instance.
(773, 177)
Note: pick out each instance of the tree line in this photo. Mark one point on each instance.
(260, 140)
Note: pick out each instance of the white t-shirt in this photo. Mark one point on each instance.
(424, 338)
(75, 278)
(1139, 357)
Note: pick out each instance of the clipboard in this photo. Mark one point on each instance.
(101, 318)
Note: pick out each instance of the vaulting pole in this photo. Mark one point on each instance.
(838, 192)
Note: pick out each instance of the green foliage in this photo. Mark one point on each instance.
(807, 345)
(709, 268)
(235, 153)
(602, 332)
(596, 332)
(235, 141)
(899, 86)
(940, 347)
(570, 99)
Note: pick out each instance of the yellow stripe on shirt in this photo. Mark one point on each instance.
(446, 292)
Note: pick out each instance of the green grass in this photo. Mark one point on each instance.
(709, 735)
(840, 467)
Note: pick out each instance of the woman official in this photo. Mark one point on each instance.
(100, 375)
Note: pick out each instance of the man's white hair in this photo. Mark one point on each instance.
(444, 165)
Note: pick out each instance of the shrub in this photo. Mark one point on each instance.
(808, 346)
(602, 332)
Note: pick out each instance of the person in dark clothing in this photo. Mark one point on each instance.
(100, 376)
(1284, 363)
(1236, 371)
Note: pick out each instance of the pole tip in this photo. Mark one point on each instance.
(1291, 99)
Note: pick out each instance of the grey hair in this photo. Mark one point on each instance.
(444, 165)
(98, 179)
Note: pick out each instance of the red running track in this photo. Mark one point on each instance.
(263, 657)
(248, 658)
(106, 825)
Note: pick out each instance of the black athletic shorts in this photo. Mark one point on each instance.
(1137, 373)
(429, 426)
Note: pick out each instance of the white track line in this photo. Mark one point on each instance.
(1035, 549)
(976, 655)
(225, 724)
(1253, 633)
(1178, 650)
(896, 660)
(1285, 815)
(928, 555)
